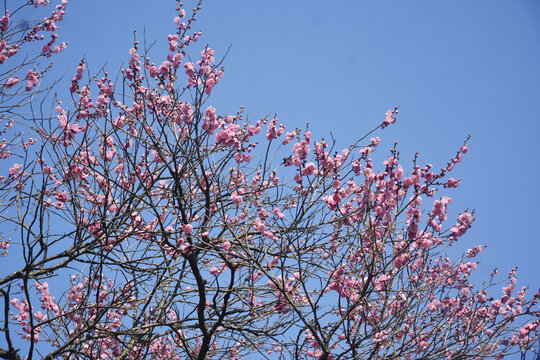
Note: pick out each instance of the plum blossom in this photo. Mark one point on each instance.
(12, 82)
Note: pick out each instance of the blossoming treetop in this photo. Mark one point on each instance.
(174, 232)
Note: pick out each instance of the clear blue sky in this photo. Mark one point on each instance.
(454, 68)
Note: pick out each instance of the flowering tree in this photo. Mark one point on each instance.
(20, 73)
(150, 226)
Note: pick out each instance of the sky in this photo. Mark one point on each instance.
(454, 68)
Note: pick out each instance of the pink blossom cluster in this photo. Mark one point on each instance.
(4, 247)
(4, 22)
(78, 76)
(7, 51)
(23, 318)
(390, 118)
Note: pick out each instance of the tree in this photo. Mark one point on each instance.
(173, 232)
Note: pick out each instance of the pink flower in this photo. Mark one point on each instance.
(119, 168)
(390, 118)
(102, 100)
(433, 306)
(173, 42)
(466, 218)
(32, 78)
(236, 199)
(40, 2)
(12, 82)
(474, 251)
(40, 316)
(15, 169)
(188, 229)
(4, 22)
(309, 169)
(176, 60)
(278, 213)
(407, 182)
(453, 183)
(164, 68)
(153, 71)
